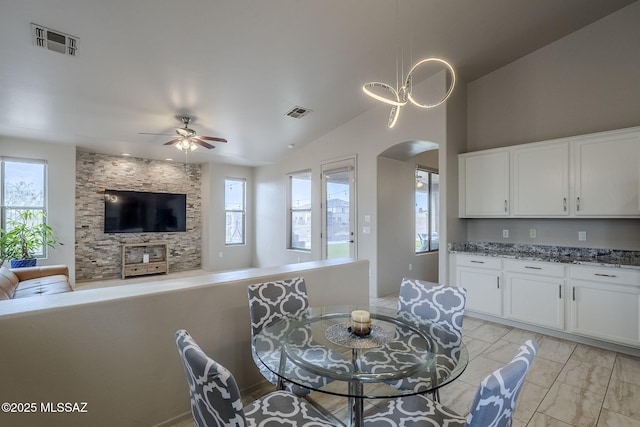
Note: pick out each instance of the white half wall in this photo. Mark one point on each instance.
(114, 348)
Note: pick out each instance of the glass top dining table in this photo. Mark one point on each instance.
(401, 355)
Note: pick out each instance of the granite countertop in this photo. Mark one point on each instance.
(561, 254)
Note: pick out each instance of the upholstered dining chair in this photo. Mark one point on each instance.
(270, 302)
(216, 400)
(440, 309)
(441, 305)
(493, 405)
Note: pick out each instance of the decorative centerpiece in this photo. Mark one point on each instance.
(360, 323)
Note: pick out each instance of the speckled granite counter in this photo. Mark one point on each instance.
(562, 254)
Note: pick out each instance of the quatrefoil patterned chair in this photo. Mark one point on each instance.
(216, 400)
(493, 405)
(270, 302)
(440, 310)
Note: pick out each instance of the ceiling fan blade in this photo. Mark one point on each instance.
(173, 141)
(198, 141)
(163, 134)
(211, 138)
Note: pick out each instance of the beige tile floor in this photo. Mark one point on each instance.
(569, 384)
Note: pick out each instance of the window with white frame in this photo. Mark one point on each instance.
(300, 210)
(23, 188)
(235, 210)
(427, 210)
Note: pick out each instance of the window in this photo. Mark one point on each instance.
(300, 210)
(234, 206)
(22, 188)
(427, 210)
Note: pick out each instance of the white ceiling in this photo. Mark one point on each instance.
(238, 66)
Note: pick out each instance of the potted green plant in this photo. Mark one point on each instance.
(26, 234)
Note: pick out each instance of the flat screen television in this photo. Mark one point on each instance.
(144, 212)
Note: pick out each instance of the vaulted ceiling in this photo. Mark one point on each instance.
(238, 66)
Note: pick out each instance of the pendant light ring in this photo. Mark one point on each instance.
(396, 100)
(451, 86)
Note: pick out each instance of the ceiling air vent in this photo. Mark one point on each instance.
(298, 112)
(54, 40)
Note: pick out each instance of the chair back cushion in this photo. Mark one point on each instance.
(439, 304)
(495, 400)
(215, 398)
(271, 301)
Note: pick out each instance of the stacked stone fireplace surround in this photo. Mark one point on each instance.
(98, 254)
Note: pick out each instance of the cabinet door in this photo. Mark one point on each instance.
(608, 312)
(484, 184)
(607, 176)
(541, 180)
(533, 299)
(484, 293)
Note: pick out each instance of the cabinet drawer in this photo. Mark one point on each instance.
(535, 267)
(135, 269)
(157, 267)
(621, 276)
(479, 261)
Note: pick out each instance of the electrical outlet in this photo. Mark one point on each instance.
(505, 233)
(410, 267)
(532, 233)
(582, 236)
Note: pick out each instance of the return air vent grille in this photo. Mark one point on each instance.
(54, 40)
(298, 112)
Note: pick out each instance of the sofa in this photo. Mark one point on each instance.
(33, 281)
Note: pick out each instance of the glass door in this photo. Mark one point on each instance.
(338, 210)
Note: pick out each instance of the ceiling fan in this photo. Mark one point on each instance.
(187, 139)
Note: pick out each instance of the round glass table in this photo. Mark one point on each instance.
(402, 355)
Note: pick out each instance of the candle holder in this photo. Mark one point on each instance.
(360, 323)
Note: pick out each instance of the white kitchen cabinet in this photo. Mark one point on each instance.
(586, 176)
(607, 174)
(534, 293)
(484, 184)
(540, 178)
(481, 276)
(605, 304)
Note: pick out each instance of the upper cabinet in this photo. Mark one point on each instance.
(594, 176)
(484, 184)
(540, 180)
(607, 175)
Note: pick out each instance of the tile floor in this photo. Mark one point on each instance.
(569, 384)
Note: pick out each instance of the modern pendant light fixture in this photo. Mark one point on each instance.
(399, 96)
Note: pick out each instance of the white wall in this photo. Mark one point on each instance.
(583, 83)
(217, 256)
(365, 136)
(61, 193)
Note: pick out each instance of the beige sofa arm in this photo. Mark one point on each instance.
(28, 273)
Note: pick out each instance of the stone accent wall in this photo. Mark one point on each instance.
(99, 255)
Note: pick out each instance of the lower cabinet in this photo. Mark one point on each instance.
(605, 304)
(534, 293)
(602, 303)
(481, 277)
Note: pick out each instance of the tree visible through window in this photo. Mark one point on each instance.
(22, 188)
(427, 210)
(234, 206)
(300, 210)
